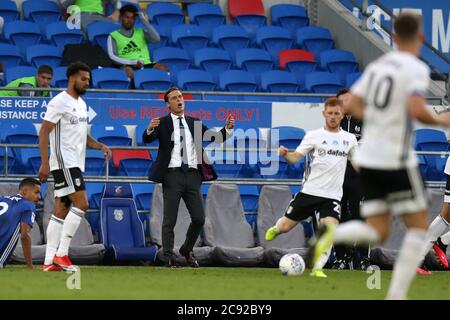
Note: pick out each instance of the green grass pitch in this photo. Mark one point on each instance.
(144, 282)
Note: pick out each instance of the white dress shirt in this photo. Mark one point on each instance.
(175, 160)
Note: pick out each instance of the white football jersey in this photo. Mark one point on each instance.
(385, 87)
(68, 138)
(330, 151)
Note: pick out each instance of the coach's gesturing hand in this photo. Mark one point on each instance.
(282, 151)
(153, 124)
(44, 171)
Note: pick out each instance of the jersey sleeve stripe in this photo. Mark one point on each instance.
(10, 246)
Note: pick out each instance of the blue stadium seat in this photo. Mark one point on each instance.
(251, 23)
(432, 140)
(342, 62)
(189, 37)
(11, 162)
(59, 35)
(143, 195)
(165, 14)
(19, 133)
(134, 167)
(175, 59)
(239, 81)
(231, 38)
(253, 60)
(323, 82)
(111, 135)
(352, 78)
(41, 12)
(215, 61)
(121, 229)
(164, 37)
(10, 56)
(8, 11)
(206, 15)
(30, 161)
(279, 81)
(196, 80)
(314, 39)
(110, 78)
(152, 79)
(435, 138)
(274, 39)
(139, 132)
(98, 33)
(289, 16)
(94, 193)
(22, 34)
(249, 197)
(226, 165)
(44, 54)
(19, 72)
(290, 137)
(59, 79)
(95, 163)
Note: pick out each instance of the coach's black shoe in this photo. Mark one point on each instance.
(172, 262)
(340, 265)
(365, 263)
(190, 259)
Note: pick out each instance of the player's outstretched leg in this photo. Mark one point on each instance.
(283, 225)
(440, 249)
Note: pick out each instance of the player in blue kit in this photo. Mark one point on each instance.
(17, 217)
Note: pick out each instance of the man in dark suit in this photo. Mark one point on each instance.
(181, 166)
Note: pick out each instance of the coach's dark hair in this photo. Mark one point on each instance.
(169, 91)
(342, 91)
(407, 26)
(76, 67)
(45, 69)
(333, 102)
(128, 8)
(29, 182)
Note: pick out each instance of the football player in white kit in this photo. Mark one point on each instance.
(321, 194)
(389, 95)
(66, 122)
(436, 237)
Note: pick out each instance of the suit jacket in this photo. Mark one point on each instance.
(164, 134)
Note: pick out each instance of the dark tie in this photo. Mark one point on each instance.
(183, 148)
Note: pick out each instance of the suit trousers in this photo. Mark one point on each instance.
(176, 185)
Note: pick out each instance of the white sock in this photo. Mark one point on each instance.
(70, 226)
(408, 260)
(355, 232)
(435, 230)
(323, 259)
(54, 229)
(446, 238)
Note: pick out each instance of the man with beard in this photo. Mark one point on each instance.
(66, 123)
(127, 47)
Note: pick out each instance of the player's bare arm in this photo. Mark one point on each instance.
(94, 144)
(45, 130)
(291, 156)
(355, 107)
(417, 109)
(25, 237)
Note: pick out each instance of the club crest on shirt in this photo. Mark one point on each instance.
(335, 143)
(77, 182)
(118, 215)
(74, 120)
(321, 152)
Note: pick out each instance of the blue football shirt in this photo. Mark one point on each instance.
(13, 211)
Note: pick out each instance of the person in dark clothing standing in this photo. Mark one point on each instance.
(181, 166)
(351, 198)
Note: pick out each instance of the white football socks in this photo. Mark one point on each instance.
(408, 260)
(355, 231)
(70, 226)
(435, 230)
(54, 229)
(446, 238)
